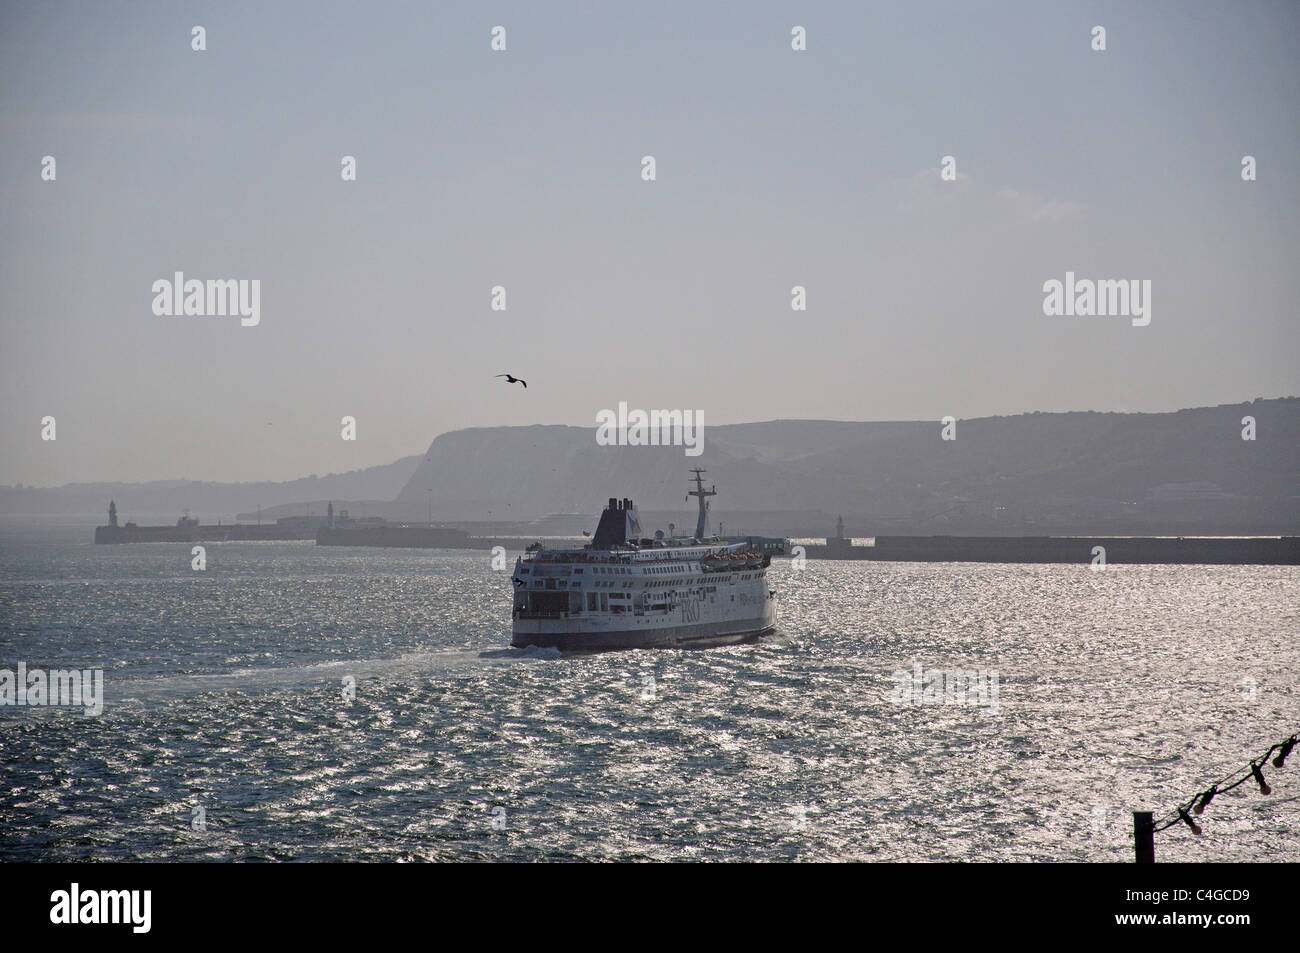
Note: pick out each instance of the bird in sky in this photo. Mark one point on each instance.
(514, 380)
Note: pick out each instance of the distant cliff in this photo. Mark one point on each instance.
(1178, 473)
(1187, 471)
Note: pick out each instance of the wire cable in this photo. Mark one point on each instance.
(1198, 802)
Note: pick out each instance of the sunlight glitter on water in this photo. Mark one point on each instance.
(1118, 690)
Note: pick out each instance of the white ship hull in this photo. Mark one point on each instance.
(697, 622)
(627, 591)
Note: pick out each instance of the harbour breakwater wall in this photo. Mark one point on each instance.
(385, 536)
(427, 537)
(401, 537)
(231, 532)
(1190, 550)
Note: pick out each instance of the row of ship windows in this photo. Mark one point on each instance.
(656, 584)
(594, 606)
(621, 571)
(616, 570)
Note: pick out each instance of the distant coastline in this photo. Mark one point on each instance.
(1188, 472)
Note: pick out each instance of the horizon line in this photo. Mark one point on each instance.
(811, 420)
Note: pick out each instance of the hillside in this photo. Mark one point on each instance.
(1184, 473)
(1186, 468)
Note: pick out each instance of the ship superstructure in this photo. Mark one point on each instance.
(628, 590)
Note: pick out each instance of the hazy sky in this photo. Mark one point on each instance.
(775, 168)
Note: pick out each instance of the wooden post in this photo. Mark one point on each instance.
(1144, 837)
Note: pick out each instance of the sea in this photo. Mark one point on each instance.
(289, 702)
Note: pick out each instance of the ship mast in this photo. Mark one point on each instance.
(702, 522)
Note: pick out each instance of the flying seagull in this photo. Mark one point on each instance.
(514, 380)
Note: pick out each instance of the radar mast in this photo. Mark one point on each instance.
(702, 522)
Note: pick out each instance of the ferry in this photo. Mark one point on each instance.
(625, 590)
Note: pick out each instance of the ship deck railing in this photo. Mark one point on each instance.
(582, 555)
(560, 548)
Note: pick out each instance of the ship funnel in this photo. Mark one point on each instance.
(618, 524)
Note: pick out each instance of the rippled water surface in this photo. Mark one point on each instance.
(1125, 689)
